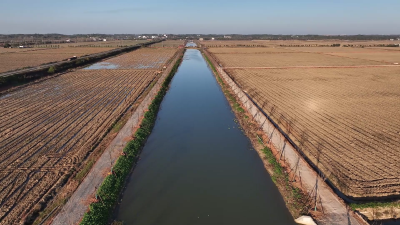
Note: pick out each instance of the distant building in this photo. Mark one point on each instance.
(227, 37)
(212, 39)
(104, 39)
(201, 39)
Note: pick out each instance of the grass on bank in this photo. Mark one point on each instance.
(358, 206)
(109, 191)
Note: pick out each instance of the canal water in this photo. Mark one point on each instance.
(197, 167)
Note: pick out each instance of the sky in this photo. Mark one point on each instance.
(201, 17)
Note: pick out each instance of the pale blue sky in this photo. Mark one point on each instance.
(205, 16)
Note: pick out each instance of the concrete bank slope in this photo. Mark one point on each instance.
(78, 204)
(334, 209)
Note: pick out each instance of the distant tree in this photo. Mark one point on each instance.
(7, 45)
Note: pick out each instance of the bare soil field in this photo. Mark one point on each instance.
(288, 59)
(385, 57)
(108, 44)
(18, 60)
(350, 118)
(78, 51)
(386, 48)
(293, 43)
(11, 50)
(249, 50)
(144, 58)
(49, 127)
(235, 43)
(373, 54)
(345, 120)
(360, 43)
(335, 49)
(168, 44)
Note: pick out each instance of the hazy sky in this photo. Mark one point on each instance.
(204, 16)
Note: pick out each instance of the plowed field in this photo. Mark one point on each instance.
(289, 59)
(144, 58)
(169, 44)
(30, 58)
(49, 127)
(345, 120)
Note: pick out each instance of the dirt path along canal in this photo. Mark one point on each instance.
(197, 166)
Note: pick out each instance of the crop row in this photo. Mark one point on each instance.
(285, 59)
(18, 60)
(47, 128)
(144, 58)
(340, 127)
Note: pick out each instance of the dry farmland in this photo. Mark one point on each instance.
(10, 50)
(293, 43)
(144, 58)
(169, 44)
(108, 44)
(234, 43)
(48, 128)
(345, 119)
(284, 59)
(21, 59)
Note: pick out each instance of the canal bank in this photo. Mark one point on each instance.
(197, 166)
(320, 200)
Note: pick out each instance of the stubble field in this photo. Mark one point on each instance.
(36, 57)
(345, 119)
(284, 59)
(144, 58)
(48, 128)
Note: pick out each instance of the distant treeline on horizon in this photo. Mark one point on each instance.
(4, 37)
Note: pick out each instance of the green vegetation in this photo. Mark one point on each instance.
(52, 69)
(111, 187)
(355, 206)
(117, 126)
(82, 173)
(210, 64)
(236, 106)
(275, 165)
(279, 177)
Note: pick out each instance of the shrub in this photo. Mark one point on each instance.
(52, 69)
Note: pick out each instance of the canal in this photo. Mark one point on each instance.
(197, 167)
